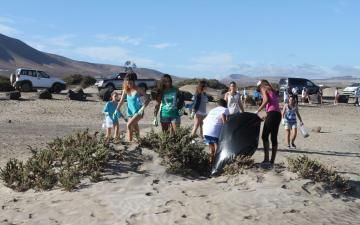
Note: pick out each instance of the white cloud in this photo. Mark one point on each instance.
(116, 55)
(8, 30)
(119, 38)
(162, 45)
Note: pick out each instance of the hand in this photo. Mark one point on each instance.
(155, 122)
(141, 111)
(301, 123)
(192, 115)
(115, 115)
(256, 112)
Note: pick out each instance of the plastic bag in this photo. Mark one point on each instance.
(239, 136)
(303, 131)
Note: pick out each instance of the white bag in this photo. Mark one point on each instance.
(108, 123)
(303, 131)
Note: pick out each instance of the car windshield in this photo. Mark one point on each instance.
(355, 85)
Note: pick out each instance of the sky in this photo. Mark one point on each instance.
(196, 38)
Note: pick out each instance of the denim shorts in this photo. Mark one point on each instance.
(175, 120)
(290, 125)
(210, 140)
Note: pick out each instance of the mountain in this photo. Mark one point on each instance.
(15, 53)
(244, 80)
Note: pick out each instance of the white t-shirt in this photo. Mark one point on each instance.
(213, 122)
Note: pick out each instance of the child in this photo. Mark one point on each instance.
(137, 100)
(111, 118)
(233, 99)
(168, 101)
(199, 108)
(213, 124)
(289, 113)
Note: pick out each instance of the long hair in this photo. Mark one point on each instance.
(200, 87)
(161, 84)
(265, 84)
(129, 77)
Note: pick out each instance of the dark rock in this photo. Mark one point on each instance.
(44, 94)
(77, 94)
(13, 95)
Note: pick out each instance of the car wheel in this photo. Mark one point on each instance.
(57, 88)
(110, 87)
(26, 87)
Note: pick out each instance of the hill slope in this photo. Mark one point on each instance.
(15, 53)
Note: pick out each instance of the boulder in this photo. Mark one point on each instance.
(13, 95)
(44, 94)
(77, 95)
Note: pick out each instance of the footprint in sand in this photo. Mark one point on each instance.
(208, 216)
(291, 211)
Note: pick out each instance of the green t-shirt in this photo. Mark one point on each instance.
(168, 104)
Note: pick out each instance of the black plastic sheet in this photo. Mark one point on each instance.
(239, 136)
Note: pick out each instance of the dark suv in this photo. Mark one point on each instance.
(299, 83)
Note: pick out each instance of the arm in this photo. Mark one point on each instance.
(224, 118)
(265, 100)
(298, 114)
(226, 96)
(106, 109)
(123, 94)
(157, 105)
(283, 112)
(241, 106)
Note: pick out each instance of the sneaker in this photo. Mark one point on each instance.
(293, 146)
(289, 147)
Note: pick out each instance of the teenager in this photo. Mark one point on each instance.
(233, 99)
(199, 108)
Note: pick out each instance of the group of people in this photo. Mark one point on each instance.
(169, 107)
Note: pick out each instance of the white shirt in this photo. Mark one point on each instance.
(213, 122)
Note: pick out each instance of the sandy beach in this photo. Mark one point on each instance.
(148, 195)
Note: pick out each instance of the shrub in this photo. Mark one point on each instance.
(179, 153)
(311, 169)
(240, 163)
(63, 162)
(5, 84)
(78, 79)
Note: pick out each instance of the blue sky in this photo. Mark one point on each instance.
(196, 38)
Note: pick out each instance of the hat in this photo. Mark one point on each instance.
(258, 83)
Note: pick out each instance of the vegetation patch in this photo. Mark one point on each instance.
(64, 162)
(78, 79)
(180, 154)
(312, 169)
(5, 84)
(239, 164)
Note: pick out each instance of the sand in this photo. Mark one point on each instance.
(150, 196)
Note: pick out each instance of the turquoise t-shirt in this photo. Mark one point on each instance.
(109, 110)
(168, 104)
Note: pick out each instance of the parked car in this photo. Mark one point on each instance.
(350, 91)
(29, 79)
(115, 82)
(299, 83)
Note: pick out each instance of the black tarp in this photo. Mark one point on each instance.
(239, 136)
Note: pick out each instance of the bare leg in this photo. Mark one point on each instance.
(293, 136)
(173, 127)
(287, 136)
(201, 126)
(165, 127)
(196, 125)
(116, 131)
(108, 133)
(212, 149)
